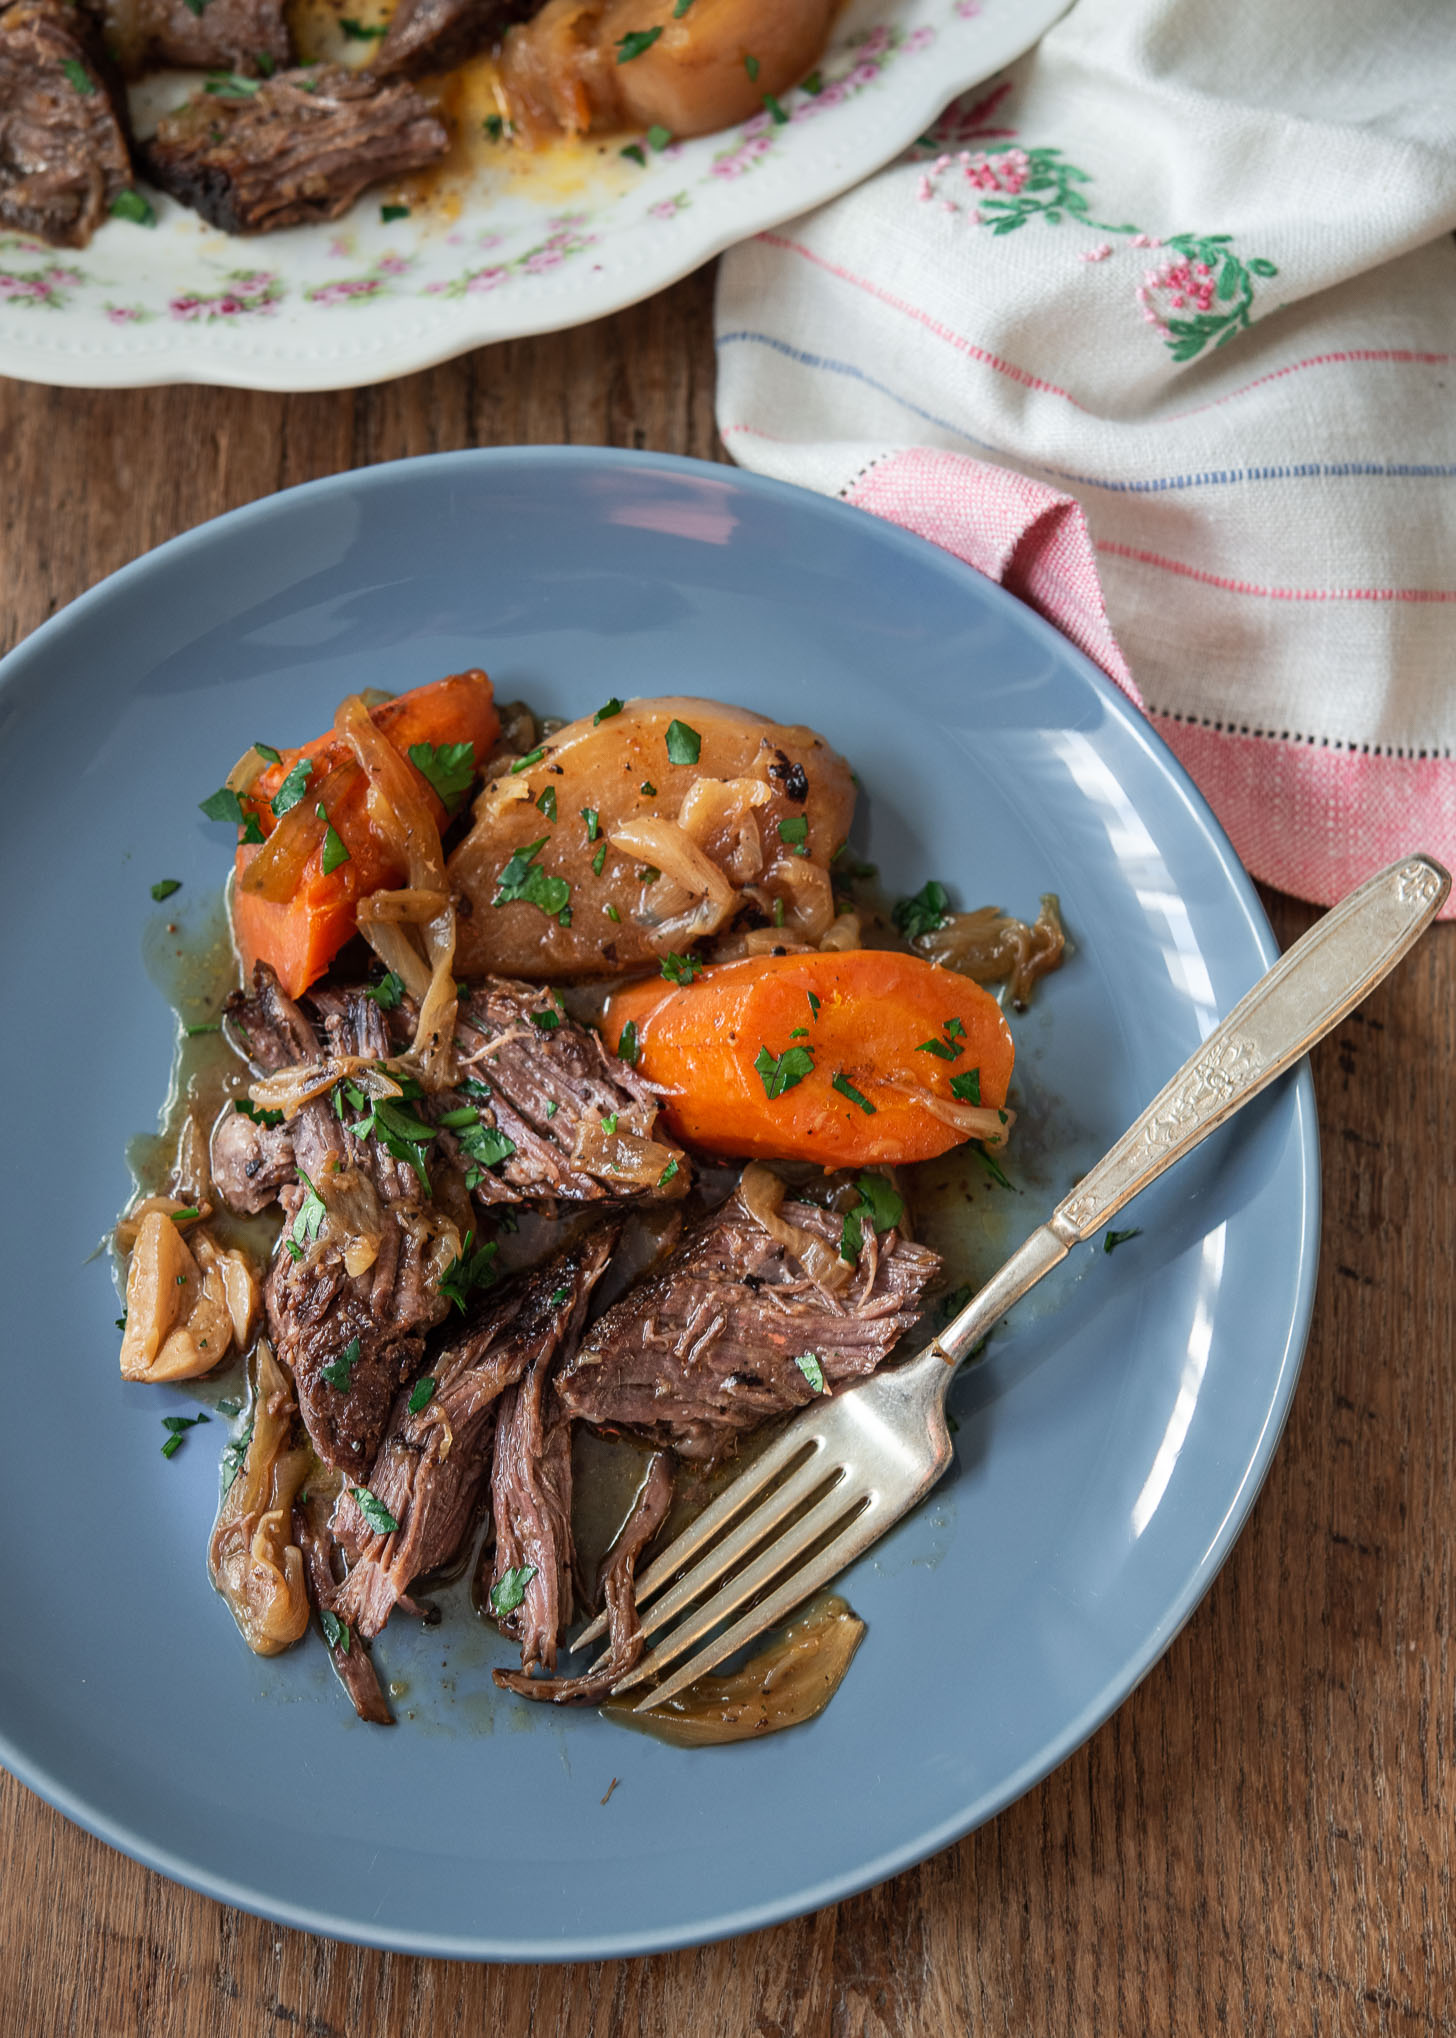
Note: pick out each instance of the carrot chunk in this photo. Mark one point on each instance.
(833, 1057)
(288, 909)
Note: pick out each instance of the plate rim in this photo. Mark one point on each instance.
(1297, 1089)
(173, 354)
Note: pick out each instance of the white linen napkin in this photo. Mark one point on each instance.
(1188, 266)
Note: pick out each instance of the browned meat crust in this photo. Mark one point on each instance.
(350, 1657)
(435, 35)
(299, 148)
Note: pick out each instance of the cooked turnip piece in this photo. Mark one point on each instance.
(631, 835)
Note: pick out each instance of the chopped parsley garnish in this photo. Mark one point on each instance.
(599, 859)
(1116, 1238)
(531, 757)
(388, 213)
(795, 830)
(558, 1296)
(251, 1110)
(334, 851)
(234, 1457)
(229, 1407)
(80, 77)
(452, 1121)
(185, 1216)
(449, 767)
(774, 110)
(510, 1589)
(684, 745)
(750, 64)
(361, 31)
(799, 1033)
(609, 1123)
(521, 878)
(681, 969)
(954, 1030)
(627, 1045)
(782, 1072)
(552, 1108)
(494, 126)
(813, 1004)
(667, 1174)
(164, 888)
(223, 805)
(487, 1147)
(307, 1224)
(593, 823)
(605, 713)
(474, 1087)
(636, 43)
(401, 1132)
(992, 1166)
(548, 1019)
(336, 1632)
(292, 789)
(635, 153)
(131, 205)
(341, 1371)
(265, 63)
(813, 84)
(203, 1026)
(649, 874)
(421, 1394)
(469, 1271)
(938, 1047)
(387, 992)
(680, 9)
(252, 828)
(880, 1203)
(228, 85)
(648, 789)
(778, 912)
(658, 137)
(808, 1364)
(923, 913)
(375, 1512)
(840, 1081)
(613, 914)
(175, 1425)
(547, 803)
(966, 1087)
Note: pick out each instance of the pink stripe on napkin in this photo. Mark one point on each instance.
(1308, 819)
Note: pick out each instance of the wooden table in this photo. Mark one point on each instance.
(1261, 1840)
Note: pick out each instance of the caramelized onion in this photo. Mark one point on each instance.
(258, 1571)
(692, 898)
(807, 894)
(972, 1121)
(276, 872)
(844, 933)
(717, 815)
(761, 1192)
(288, 1090)
(398, 810)
(991, 947)
(625, 1157)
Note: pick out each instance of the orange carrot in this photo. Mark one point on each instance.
(301, 917)
(823, 1057)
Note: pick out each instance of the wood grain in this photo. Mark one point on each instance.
(1260, 1841)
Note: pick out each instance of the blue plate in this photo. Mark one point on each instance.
(1110, 1443)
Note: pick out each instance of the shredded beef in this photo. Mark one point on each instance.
(431, 1470)
(435, 35)
(63, 142)
(617, 1587)
(245, 37)
(350, 1657)
(706, 1348)
(299, 148)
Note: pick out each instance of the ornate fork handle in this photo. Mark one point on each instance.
(1308, 991)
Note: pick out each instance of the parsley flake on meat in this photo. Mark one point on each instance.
(259, 1116)
(309, 1221)
(421, 1394)
(341, 1371)
(336, 1631)
(375, 1512)
(387, 993)
(784, 1071)
(808, 1364)
(881, 1204)
(469, 1271)
(449, 767)
(510, 1589)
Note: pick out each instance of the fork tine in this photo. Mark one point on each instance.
(825, 1514)
(785, 1449)
(856, 1536)
(737, 1543)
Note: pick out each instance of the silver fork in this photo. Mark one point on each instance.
(847, 1467)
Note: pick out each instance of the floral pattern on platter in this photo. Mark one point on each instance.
(567, 238)
(251, 291)
(49, 286)
(376, 281)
